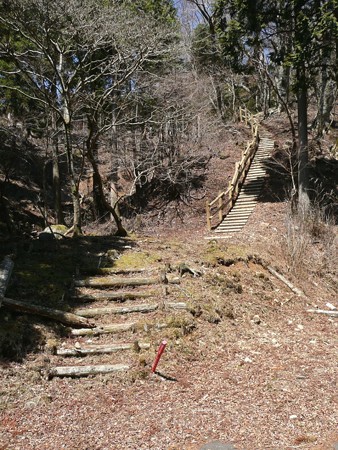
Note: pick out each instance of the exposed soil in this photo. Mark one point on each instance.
(254, 369)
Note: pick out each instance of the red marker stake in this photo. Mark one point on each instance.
(158, 356)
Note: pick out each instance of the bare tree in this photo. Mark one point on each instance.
(74, 56)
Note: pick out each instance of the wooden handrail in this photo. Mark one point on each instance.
(220, 195)
(224, 205)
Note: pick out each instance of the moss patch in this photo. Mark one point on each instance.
(220, 253)
(137, 260)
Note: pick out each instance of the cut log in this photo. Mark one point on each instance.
(323, 311)
(93, 312)
(84, 371)
(54, 314)
(103, 282)
(288, 283)
(120, 327)
(118, 296)
(111, 270)
(105, 329)
(176, 305)
(100, 349)
(6, 269)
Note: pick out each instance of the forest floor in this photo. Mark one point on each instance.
(254, 369)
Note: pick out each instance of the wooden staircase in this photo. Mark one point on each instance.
(247, 198)
(129, 311)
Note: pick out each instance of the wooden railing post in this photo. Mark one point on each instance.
(208, 216)
(230, 194)
(220, 206)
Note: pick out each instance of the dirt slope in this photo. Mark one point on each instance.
(254, 368)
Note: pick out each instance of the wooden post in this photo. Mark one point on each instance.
(208, 216)
(231, 188)
(220, 205)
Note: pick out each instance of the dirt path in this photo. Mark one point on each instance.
(255, 369)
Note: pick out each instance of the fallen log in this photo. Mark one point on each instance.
(92, 312)
(183, 268)
(84, 371)
(288, 283)
(323, 311)
(54, 314)
(104, 329)
(100, 349)
(115, 281)
(6, 269)
(119, 296)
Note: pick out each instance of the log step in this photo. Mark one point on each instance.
(115, 328)
(239, 213)
(84, 371)
(236, 220)
(113, 271)
(93, 312)
(228, 230)
(104, 329)
(111, 281)
(118, 296)
(102, 349)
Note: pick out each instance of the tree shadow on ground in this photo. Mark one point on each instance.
(43, 275)
(278, 184)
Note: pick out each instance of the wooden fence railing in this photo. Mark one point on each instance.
(222, 204)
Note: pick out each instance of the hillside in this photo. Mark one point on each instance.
(245, 363)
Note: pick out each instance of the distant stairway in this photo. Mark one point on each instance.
(250, 191)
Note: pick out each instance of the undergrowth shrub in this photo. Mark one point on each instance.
(310, 240)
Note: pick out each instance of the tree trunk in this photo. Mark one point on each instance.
(74, 184)
(327, 97)
(283, 85)
(121, 231)
(6, 269)
(99, 207)
(56, 182)
(303, 152)
(56, 168)
(114, 166)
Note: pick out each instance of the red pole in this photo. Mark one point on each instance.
(158, 356)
